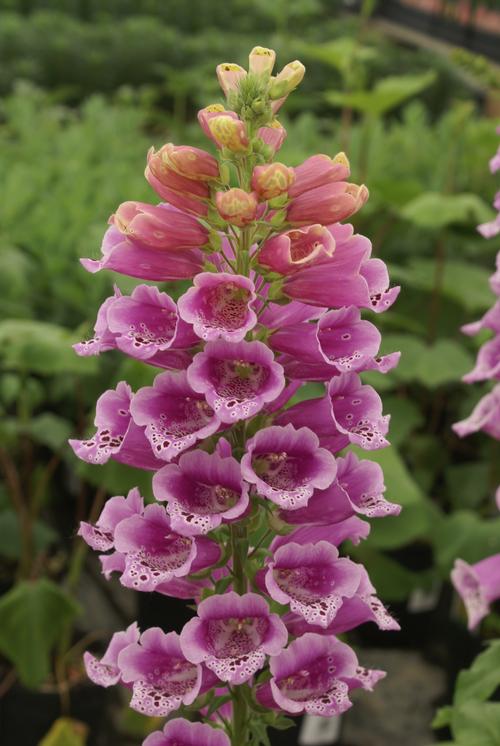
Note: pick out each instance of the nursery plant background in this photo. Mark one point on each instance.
(86, 88)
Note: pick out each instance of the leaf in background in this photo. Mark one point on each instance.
(10, 536)
(66, 732)
(32, 617)
(464, 534)
(467, 484)
(481, 680)
(435, 211)
(115, 478)
(476, 724)
(446, 361)
(50, 430)
(385, 95)
(405, 417)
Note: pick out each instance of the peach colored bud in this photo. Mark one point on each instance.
(261, 60)
(158, 226)
(229, 76)
(236, 206)
(273, 135)
(288, 79)
(229, 133)
(272, 180)
(193, 163)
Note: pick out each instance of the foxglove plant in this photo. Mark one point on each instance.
(479, 584)
(253, 499)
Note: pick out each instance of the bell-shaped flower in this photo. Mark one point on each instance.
(319, 170)
(117, 435)
(487, 364)
(485, 416)
(312, 579)
(286, 465)
(155, 553)
(134, 259)
(273, 135)
(100, 536)
(490, 320)
(478, 586)
(106, 672)
(229, 75)
(219, 306)
(161, 677)
(293, 250)
(351, 412)
(159, 226)
(192, 163)
(175, 417)
(183, 732)
(237, 379)
(187, 195)
(232, 635)
(285, 82)
(327, 204)
(201, 492)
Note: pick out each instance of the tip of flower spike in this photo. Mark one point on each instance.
(342, 159)
(261, 60)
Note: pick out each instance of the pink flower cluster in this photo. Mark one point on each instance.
(479, 584)
(253, 497)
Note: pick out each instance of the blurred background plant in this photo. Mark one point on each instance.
(86, 88)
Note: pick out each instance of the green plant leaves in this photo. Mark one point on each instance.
(385, 95)
(10, 536)
(33, 615)
(481, 680)
(434, 211)
(66, 732)
(446, 361)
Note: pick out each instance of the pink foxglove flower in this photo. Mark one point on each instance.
(106, 672)
(478, 586)
(101, 535)
(232, 636)
(485, 416)
(185, 733)
(288, 252)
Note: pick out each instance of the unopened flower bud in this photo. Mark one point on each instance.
(287, 80)
(261, 60)
(229, 76)
(158, 226)
(272, 180)
(193, 163)
(229, 133)
(236, 206)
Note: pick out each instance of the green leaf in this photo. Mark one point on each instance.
(32, 617)
(476, 724)
(50, 430)
(41, 348)
(467, 484)
(464, 534)
(435, 211)
(442, 717)
(431, 365)
(385, 95)
(405, 417)
(392, 581)
(66, 732)
(10, 536)
(478, 683)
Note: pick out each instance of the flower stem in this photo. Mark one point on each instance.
(240, 717)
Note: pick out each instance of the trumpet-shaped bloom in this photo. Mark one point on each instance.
(180, 732)
(232, 636)
(236, 379)
(219, 306)
(327, 204)
(117, 436)
(161, 677)
(201, 491)
(288, 252)
(478, 585)
(173, 414)
(161, 227)
(101, 535)
(312, 579)
(155, 553)
(485, 416)
(106, 672)
(286, 465)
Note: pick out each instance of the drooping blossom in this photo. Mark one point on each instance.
(173, 414)
(478, 586)
(182, 193)
(181, 732)
(201, 491)
(237, 379)
(100, 536)
(288, 252)
(286, 465)
(232, 635)
(485, 416)
(161, 677)
(161, 227)
(106, 672)
(219, 306)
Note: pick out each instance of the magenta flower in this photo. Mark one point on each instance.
(106, 672)
(103, 339)
(487, 364)
(348, 529)
(155, 553)
(117, 436)
(237, 379)
(180, 732)
(162, 227)
(485, 416)
(219, 306)
(181, 192)
(201, 491)
(351, 412)
(173, 414)
(327, 204)
(286, 465)
(101, 535)
(490, 320)
(232, 635)
(312, 579)
(288, 252)
(478, 586)
(161, 677)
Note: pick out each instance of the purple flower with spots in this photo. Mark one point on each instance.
(101, 535)
(117, 435)
(219, 306)
(286, 465)
(478, 586)
(155, 553)
(312, 579)
(201, 492)
(180, 732)
(173, 414)
(236, 379)
(232, 635)
(161, 677)
(106, 672)
(485, 416)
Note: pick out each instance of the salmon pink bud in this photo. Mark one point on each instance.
(185, 194)
(229, 76)
(295, 249)
(193, 163)
(273, 135)
(157, 226)
(209, 112)
(261, 60)
(272, 180)
(319, 170)
(229, 133)
(288, 79)
(327, 204)
(236, 206)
